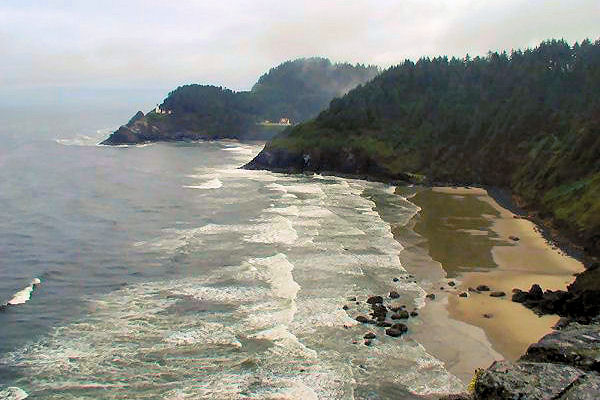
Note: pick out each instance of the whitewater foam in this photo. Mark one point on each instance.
(208, 333)
(267, 325)
(13, 393)
(211, 184)
(85, 140)
(277, 271)
(276, 230)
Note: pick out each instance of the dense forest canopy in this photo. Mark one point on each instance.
(297, 90)
(310, 85)
(528, 120)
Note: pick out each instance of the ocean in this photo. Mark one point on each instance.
(166, 272)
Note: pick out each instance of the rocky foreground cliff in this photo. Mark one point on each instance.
(290, 93)
(564, 365)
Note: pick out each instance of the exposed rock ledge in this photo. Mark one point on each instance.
(563, 365)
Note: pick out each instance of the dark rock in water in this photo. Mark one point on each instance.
(483, 288)
(473, 290)
(451, 283)
(525, 380)
(395, 279)
(393, 332)
(369, 335)
(488, 316)
(463, 294)
(519, 296)
(576, 345)
(379, 311)
(375, 299)
(441, 288)
(352, 298)
(401, 315)
(514, 238)
(3, 307)
(345, 307)
(536, 292)
(497, 294)
(400, 326)
(368, 342)
(363, 319)
(431, 296)
(414, 314)
(394, 295)
(383, 324)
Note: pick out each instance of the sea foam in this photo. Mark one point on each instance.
(13, 393)
(211, 184)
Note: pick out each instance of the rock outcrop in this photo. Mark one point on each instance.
(563, 365)
(580, 302)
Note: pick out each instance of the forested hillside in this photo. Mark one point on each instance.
(526, 120)
(296, 90)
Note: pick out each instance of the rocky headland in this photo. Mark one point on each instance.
(292, 92)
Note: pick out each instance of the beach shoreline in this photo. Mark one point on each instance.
(451, 240)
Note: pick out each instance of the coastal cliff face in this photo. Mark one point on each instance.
(528, 121)
(563, 365)
(295, 90)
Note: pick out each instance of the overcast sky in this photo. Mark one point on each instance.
(136, 44)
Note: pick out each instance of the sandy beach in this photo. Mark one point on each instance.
(463, 236)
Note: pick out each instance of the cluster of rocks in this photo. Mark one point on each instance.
(564, 365)
(379, 316)
(580, 302)
(483, 289)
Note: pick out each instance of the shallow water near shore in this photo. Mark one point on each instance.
(468, 234)
(167, 272)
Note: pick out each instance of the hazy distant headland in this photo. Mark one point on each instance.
(290, 93)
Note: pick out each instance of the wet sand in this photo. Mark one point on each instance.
(462, 235)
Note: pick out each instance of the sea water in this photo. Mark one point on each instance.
(165, 271)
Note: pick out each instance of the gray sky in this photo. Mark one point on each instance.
(159, 44)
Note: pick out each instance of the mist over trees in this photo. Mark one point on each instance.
(297, 90)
